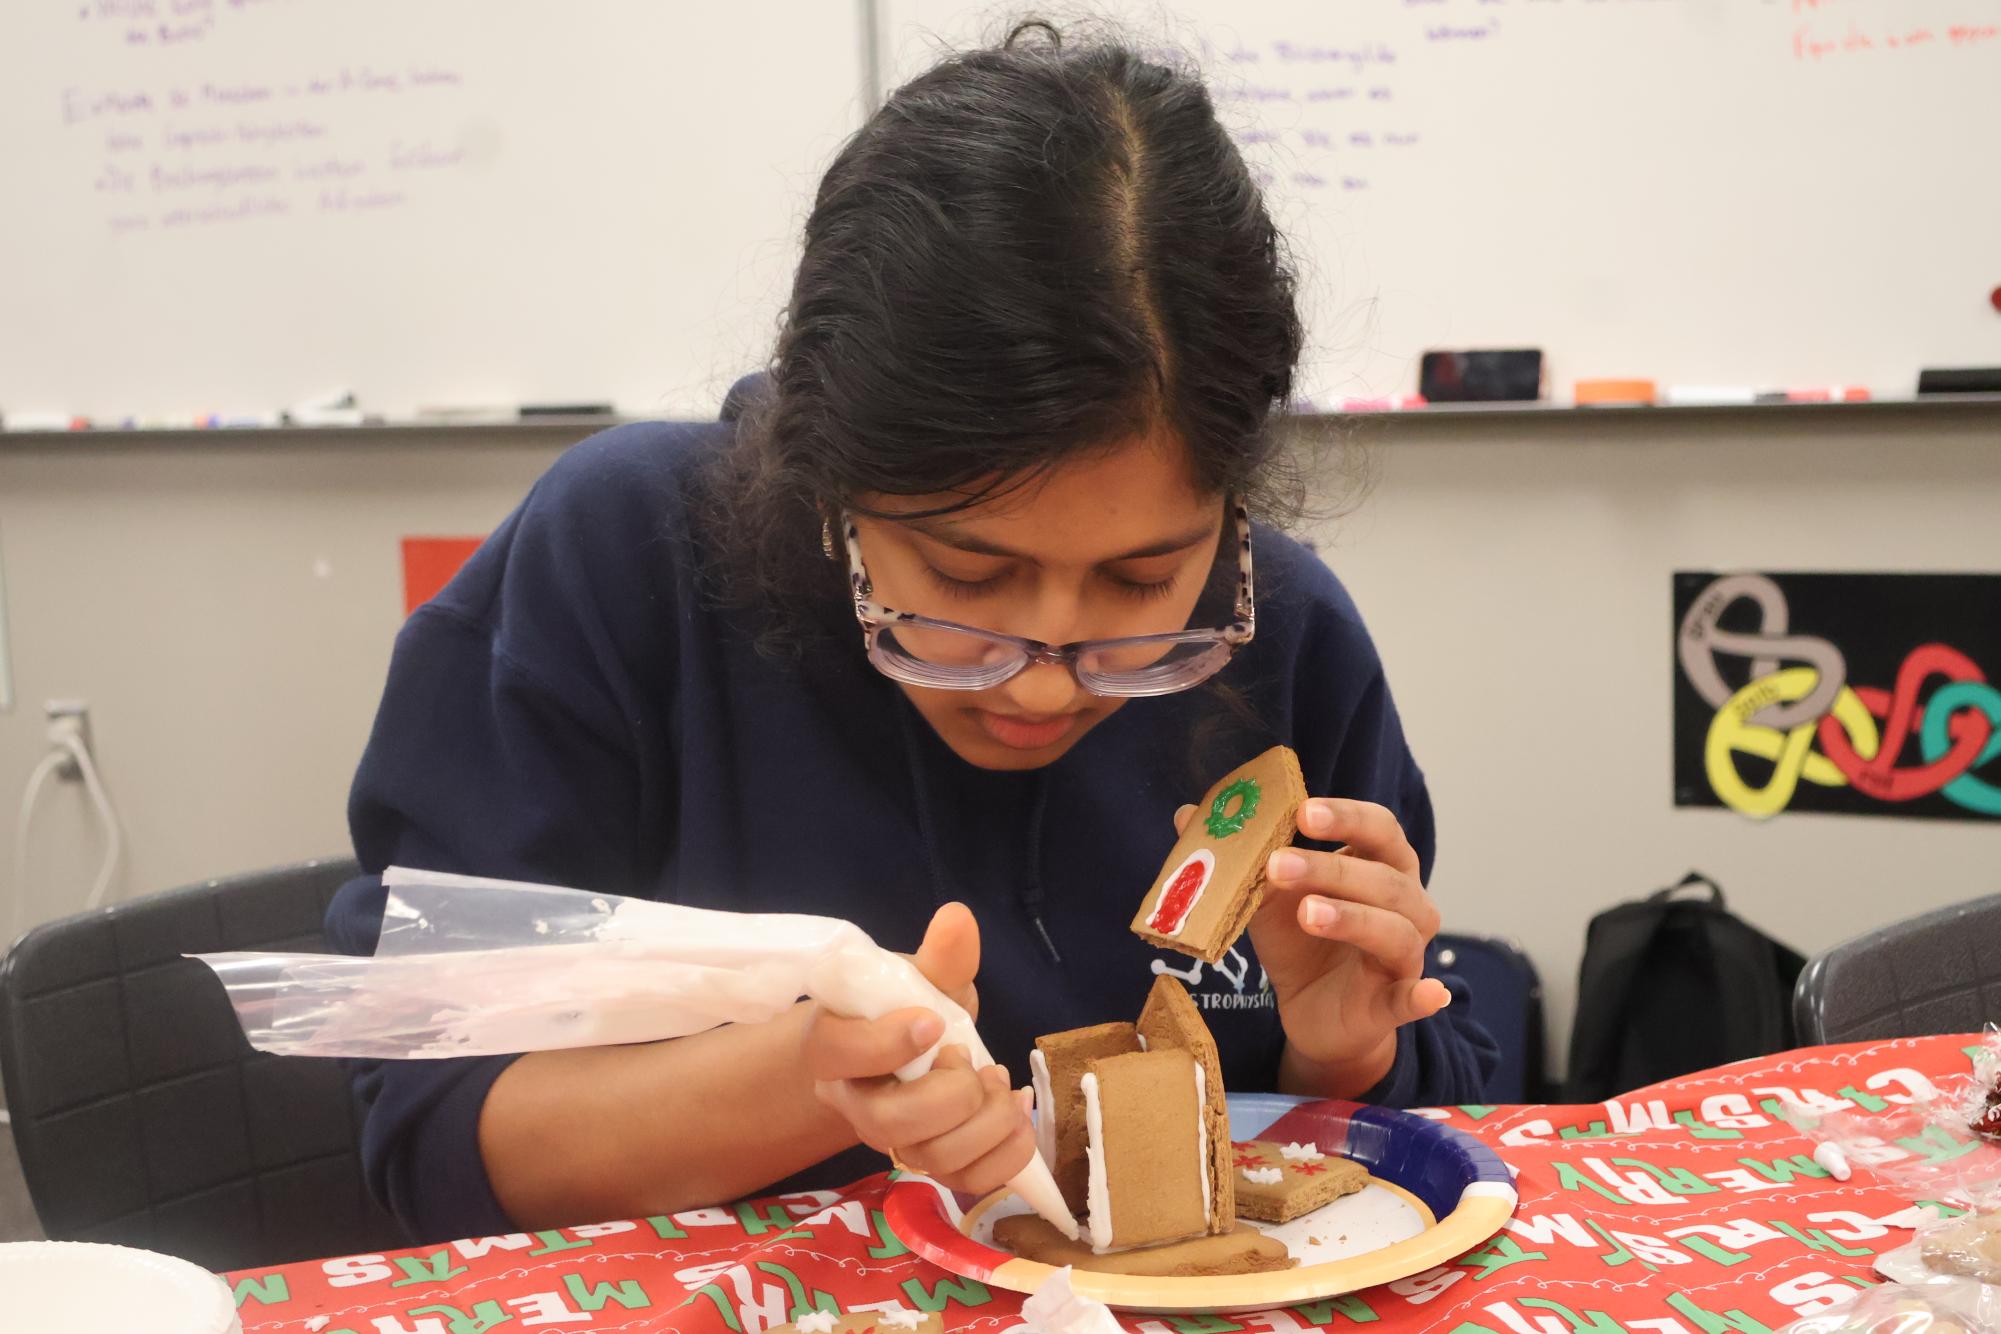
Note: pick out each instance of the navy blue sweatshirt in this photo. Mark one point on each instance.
(577, 708)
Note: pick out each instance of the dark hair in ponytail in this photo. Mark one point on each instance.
(1028, 251)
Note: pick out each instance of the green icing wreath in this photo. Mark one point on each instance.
(1223, 821)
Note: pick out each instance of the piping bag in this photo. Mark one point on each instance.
(473, 967)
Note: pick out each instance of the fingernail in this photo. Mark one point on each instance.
(1319, 913)
(1317, 817)
(927, 1030)
(1025, 1098)
(1286, 865)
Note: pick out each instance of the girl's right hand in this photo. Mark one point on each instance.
(965, 1128)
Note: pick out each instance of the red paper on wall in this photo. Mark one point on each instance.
(429, 564)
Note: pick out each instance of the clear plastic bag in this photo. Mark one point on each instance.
(1945, 1146)
(468, 967)
(1965, 1247)
(1942, 1148)
(1899, 1309)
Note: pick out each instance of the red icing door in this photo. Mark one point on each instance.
(1184, 888)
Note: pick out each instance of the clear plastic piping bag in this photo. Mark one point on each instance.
(474, 967)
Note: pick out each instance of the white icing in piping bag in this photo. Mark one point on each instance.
(473, 967)
(870, 984)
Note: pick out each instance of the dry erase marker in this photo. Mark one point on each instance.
(43, 421)
(1383, 403)
(324, 417)
(566, 410)
(1613, 393)
(1840, 393)
(468, 414)
(238, 421)
(335, 408)
(1708, 396)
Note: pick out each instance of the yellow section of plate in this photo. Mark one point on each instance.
(1477, 1218)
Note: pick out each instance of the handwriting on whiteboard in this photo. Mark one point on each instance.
(1832, 29)
(163, 23)
(1812, 43)
(228, 149)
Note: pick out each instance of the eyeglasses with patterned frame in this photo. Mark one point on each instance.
(944, 655)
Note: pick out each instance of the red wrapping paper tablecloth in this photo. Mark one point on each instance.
(1684, 1208)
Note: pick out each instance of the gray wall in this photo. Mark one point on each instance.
(226, 605)
(1515, 571)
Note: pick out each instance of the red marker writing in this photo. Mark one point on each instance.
(1840, 393)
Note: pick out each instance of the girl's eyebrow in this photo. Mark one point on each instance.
(946, 532)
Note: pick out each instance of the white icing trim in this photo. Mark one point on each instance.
(816, 1322)
(1309, 1152)
(1264, 1176)
(1202, 1134)
(901, 1319)
(1045, 1107)
(1098, 1196)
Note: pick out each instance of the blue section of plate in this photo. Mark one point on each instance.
(1432, 1161)
(1250, 1113)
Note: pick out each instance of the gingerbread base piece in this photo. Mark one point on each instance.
(1242, 1251)
(1277, 1183)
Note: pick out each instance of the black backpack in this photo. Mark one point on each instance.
(1671, 984)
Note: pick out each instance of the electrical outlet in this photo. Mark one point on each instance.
(67, 718)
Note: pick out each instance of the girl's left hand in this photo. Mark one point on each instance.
(1342, 936)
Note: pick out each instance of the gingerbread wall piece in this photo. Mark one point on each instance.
(1276, 1183)
(1213, 880)
(1172, 1021)
(1057, 1067)
(1149, 1159)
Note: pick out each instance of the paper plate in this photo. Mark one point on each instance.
(74, 1287)
(1435, 1193)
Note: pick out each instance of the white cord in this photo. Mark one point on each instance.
(51, 762)
(114, 835)
(69, 749)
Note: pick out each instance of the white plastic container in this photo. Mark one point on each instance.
(74, 1287)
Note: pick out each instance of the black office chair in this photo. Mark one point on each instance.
(1939, 973)
(141, 1115)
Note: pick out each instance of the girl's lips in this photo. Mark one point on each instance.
(1024, 733)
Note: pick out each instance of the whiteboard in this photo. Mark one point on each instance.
(239, 205)
(1768, 193)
